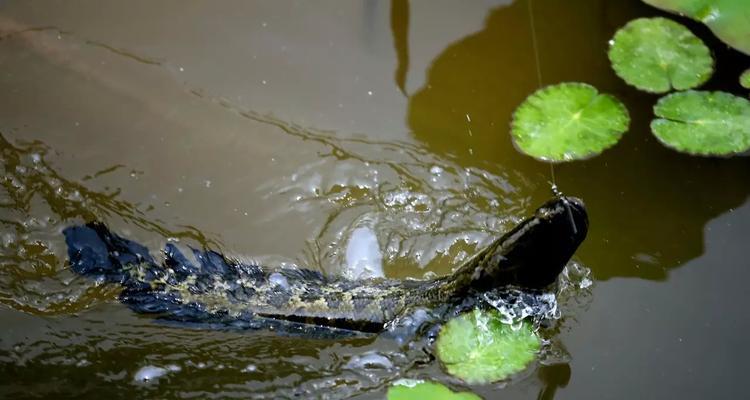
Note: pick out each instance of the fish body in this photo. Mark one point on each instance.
(214, 290)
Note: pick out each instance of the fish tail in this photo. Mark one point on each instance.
(97, 253)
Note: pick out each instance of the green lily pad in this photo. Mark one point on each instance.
(478, 348)
(745, 79)
(413, 389)
(657, 54)
(728, 19)
(568, 121)
(704, 123)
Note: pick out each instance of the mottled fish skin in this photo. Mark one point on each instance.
(215, 290)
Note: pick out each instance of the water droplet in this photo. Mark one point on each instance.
(249, 368)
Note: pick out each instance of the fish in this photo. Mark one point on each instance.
(216, 291)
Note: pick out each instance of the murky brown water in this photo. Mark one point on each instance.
(272, 129)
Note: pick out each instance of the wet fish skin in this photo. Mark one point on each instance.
(217, 291)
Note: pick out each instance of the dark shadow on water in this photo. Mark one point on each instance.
(553, 377)
(648, 205)
(400, 30)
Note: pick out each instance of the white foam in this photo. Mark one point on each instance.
(363, 256)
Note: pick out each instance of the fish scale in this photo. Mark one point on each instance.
(221, 292)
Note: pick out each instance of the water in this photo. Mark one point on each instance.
(277, 131)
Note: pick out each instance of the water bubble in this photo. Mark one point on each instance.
(585, 283)
(278, 280)
(8, 240)
(369, 361)
(74, 196)
(249, 368)
(429, 275)
(149, 373)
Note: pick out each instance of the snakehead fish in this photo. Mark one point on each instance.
(213, 289)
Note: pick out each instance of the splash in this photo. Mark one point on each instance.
(37, 201)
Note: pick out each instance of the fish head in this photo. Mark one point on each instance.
(534, 253)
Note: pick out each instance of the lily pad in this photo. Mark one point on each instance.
(568, 121)
(658, 54)
(478, 347)
(728, 19)
(704, 123)
(745, 79)
(412, 389)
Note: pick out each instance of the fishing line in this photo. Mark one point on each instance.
(535, 46)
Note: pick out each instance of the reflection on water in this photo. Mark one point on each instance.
(152, 107)
(400, 28)
(116, 347)
(648, 204)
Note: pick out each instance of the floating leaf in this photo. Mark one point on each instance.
(728, 19)
(745, 79)
(411, 389)
(478, 348)
(657, 54)
(568, 121)
(705, 123)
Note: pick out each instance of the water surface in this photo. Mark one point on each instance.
(274, 131)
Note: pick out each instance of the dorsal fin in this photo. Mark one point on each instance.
(303, 274)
